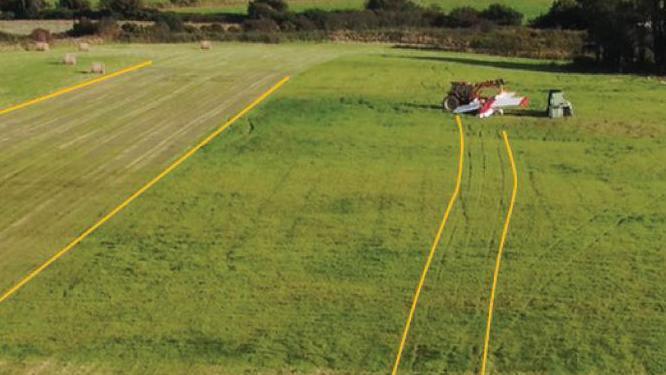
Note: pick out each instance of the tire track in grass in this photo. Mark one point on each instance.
(433, 249)
(467, 206)
(505, 231)
(472, 204)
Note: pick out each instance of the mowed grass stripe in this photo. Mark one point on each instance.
(505, 231)
(138, 193)
(63, 177)
(433, 249)
(75, 87)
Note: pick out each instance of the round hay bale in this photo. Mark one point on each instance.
(41, 35)
(98, 68)
(206, 45)
(84, 47)
(69, 59)
(41, 46)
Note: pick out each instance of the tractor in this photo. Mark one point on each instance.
(463, 93)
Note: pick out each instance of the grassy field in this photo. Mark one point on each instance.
(293, 242)
(30, 74)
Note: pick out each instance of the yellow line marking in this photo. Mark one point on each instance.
(75, 87)
(433, 249)
(505, 232)
(139, 192)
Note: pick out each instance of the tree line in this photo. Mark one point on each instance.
(275, 15)
(623, 34)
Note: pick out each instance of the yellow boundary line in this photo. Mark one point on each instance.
(139, 192)
(505, 231)
(433, 249)
(75, 87)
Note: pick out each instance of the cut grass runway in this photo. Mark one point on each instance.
(67, 161)
(139, 192)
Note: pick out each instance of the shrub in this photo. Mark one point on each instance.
(78, 5)
(464, 17)
(41, 35)
(391, 5)
(123, 7)
(83, 27)
(184, 3)
(563, 14)
(267, 9)
(502, 15)
(171, 20)
(108, 28)
(263, 25)
(304, 23)
(131, 28)
(213, 28)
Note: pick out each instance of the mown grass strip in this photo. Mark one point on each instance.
(75, 87)
(505, 231)
(139, 192)
(433, 249)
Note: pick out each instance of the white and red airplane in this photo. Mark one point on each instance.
(487, 107)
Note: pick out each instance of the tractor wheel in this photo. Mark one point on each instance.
(451, 103)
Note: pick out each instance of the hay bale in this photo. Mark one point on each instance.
(98, 68)
(69, 59)
(206, 45)
(84, 47)
(41, 46)
(41, 35)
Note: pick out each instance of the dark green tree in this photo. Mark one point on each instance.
(269, 9)
(464, 17)
(23, 8)
(78, 5)
(124, 7)
(391, 5)
(502, 15)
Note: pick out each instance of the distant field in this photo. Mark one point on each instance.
(293, 243)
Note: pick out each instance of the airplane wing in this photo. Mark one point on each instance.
(475, 105)
(509, 99)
